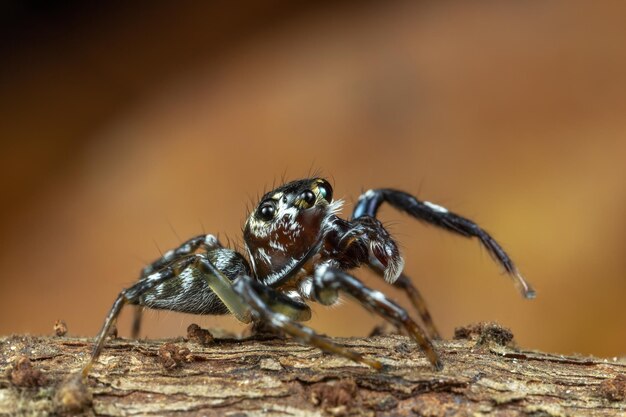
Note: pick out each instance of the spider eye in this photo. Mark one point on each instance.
(326, 191)
(308, 198)
(266, 211)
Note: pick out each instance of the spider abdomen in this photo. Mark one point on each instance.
(189, 292)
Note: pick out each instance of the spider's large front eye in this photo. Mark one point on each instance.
(325, 190)
(266, 211)
(307, 198)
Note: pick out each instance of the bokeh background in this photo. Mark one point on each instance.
(127, 124)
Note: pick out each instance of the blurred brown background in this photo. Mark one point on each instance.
(122, 122)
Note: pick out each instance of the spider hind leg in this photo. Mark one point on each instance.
(206, 242)
(131, 295)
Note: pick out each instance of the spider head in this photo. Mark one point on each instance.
(287, 222)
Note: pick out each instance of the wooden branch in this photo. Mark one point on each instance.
(483, 375)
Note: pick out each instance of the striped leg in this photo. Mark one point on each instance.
(327, 283)
(369, 203)
(130, 295)
(415, 297)
(404, 283)
(207, 242)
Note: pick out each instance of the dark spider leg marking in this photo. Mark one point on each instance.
(252, 292)
(415, 297)
(129, 295)
(186, 248)
(369, 203)
(328, 281)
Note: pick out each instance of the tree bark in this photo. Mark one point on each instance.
(484, 375)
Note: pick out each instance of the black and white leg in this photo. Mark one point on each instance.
(131, 295)
(405, 284)
(206, 242)
(329, 281)
(434, 214)
(267, 306)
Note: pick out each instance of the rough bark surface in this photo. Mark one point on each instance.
(483, 375)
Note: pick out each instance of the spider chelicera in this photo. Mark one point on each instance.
(299, 250)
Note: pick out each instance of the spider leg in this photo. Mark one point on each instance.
(327, 283)
(369, 203)
(188, 247)
(259, 297)
(130, 295)
(415, 297)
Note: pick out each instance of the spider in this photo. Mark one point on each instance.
(299, 250)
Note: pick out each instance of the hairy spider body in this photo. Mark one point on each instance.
(189, 292)
(298, 251)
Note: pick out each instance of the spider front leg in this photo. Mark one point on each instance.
(266, 304)
(327, 283)
(434, 214)
(206, 242)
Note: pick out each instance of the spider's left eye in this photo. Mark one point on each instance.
(266, 211)
(307, 198)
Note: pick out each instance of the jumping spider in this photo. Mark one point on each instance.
(299, 250)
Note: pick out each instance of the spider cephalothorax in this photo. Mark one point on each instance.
(299, 251)
(286, 224)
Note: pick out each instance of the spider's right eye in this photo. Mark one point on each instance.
(266, 211)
